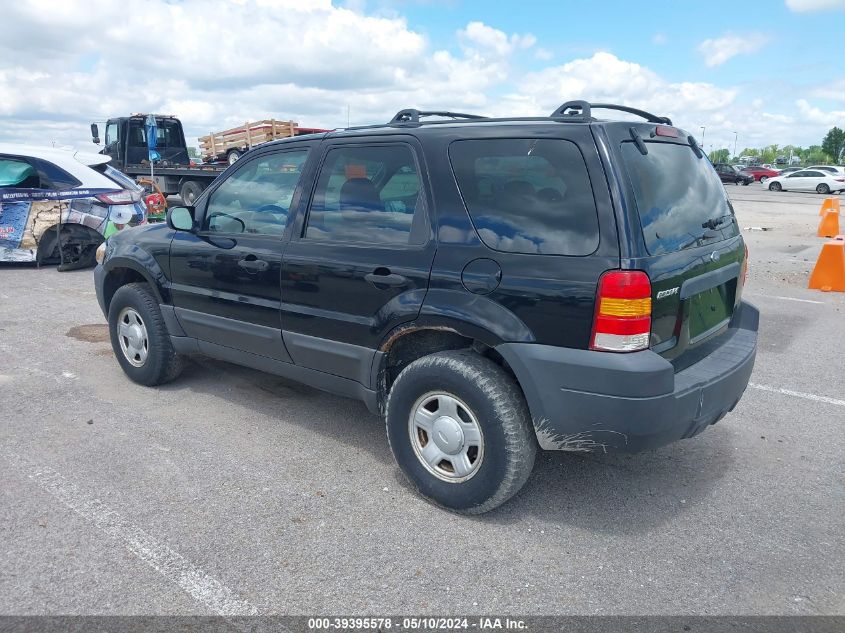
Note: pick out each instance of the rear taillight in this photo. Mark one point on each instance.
(119, 197)
(622, 321)
(745, 266)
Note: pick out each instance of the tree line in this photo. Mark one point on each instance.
(831, 151)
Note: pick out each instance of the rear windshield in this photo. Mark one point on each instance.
(527, 195)
(680, 198)
(115, 176)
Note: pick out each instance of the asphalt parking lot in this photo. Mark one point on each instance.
(230, 491)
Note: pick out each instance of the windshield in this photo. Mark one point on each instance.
(680, 199)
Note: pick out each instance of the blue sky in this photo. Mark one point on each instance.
(771, 71)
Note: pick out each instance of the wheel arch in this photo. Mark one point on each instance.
(122, 271)
(72, 232)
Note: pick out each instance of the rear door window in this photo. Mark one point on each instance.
(527, 195)
(368, 194)
(680, 200)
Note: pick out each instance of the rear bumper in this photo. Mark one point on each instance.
(582, 400)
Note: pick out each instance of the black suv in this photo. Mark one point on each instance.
(487, 285)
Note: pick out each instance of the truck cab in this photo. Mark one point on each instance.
(126, 141)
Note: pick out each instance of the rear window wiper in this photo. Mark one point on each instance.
(697, 239)
(715, 223)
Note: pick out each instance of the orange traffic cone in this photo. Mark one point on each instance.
(829, 226)
(829, 204)
(829, 272)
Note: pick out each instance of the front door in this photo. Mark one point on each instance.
(225, 277)
(358, 264)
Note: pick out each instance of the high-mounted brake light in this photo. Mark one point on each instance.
(665, 130)
(622, 321)
(119, 197)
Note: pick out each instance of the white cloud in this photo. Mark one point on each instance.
(719, 50)
(63, 66)
(805, 6)
(817, 115)
(659, 39)
(477, 37)
(604, 77)
(831, 90)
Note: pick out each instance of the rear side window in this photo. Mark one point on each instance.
(677, 195)
(527, 195)
(367, 194)
(57, 177)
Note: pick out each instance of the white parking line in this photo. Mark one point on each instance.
(797, 394)
(170, 564)
(755, 294)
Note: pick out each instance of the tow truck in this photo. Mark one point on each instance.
(175, 173)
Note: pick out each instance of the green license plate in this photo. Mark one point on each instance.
(710, 310)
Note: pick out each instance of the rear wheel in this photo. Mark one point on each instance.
(763, 178)
(775, 186)
(822, 188)
(460, 430)
(233, 155)
(190, 191)
(139, 336)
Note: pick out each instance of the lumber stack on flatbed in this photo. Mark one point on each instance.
(216, 145)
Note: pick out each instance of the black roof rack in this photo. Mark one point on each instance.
(411, 115)
(583, 110)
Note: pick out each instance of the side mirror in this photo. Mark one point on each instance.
(180, 218)
(95, 133)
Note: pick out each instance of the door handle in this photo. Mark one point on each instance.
(383, 277)
(254, 265)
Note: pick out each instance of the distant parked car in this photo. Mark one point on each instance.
(728, 174)
(833, 169)
(45, 192)
(789, 170)
(761, 174)
(808, 180)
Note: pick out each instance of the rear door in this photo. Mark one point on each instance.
(691, 247)
(225, 277)
(359, 262)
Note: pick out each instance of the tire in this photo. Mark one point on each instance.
(745, 183)
(763, 178)
(822, 188)
(486, 396)
(160, 363)
(190, 191)
(775, 186)
(233, 155)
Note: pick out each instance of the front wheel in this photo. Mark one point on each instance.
(232, 156)
(460, 430)
(139, 336)
(763, 178)
(775, 186)
(822, 188)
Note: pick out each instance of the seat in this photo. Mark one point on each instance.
(359, 194)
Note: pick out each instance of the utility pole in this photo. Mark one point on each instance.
(735, 137)
(703, 128)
